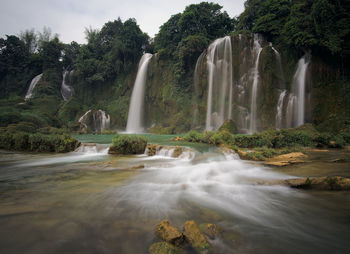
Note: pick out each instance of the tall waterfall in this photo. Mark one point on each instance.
(67, 91)
(32, 85)
(135, 116)
(296, 104)
(253, 109)
(219, 62)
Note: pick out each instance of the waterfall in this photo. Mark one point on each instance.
(279, 61)
(219, 62)
(253, 109)
(96, 120)
(135, 116)
(279, 114)
(299, 81)
(67, 91)
(296, 104)
(32, 85)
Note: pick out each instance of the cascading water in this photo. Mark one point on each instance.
(32, 85)
(253, 109)
(299, 84)
(67, 91)
(135, 116)
(279, 114)
(96, 120)
(296, 105)
(220, 78)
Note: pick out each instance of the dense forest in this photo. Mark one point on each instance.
(104, 68)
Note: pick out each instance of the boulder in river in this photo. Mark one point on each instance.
(210, 230)
(195, 238)
(169, 233)
(164, 248)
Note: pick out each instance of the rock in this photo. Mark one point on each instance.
(178, 139)
(210, 230)
(169, 233)
(152, 149)
(230, 126)
(286, 159)
(164, 248)
(320, 183)
(195, 238)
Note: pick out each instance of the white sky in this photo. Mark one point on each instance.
(69, 18)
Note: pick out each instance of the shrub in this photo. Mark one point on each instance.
(194, 136)
(128, 144)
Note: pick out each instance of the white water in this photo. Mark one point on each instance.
(279, 114)
(32, 85)
(299, 81)
(213, 180)
(219, 62)
(97, 120)
(253, 106)
(135, 116)
(67, 91)
(296, 105)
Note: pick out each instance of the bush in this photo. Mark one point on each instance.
(128, 144)
(37, 142)
(194, 136)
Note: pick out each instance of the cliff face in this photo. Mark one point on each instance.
(177, 103)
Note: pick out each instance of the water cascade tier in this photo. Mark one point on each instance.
(296, 103)
(219, 101)
(254, 93)
(95, 120)
(32, 85)
(67, 91)
(135, 116)
(242, 78)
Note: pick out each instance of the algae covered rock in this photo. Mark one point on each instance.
(169, 233)
(195, 238)
(320, 183)
(230, 126)
(164, 248)
(128, 144)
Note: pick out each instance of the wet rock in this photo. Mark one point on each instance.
(152, 149)
(178, 139)
(337, 160)
(320, 183)
(164, 248)
(211, 230)
(177, 151)
(169, 233)
(195, 238)
(286, 159)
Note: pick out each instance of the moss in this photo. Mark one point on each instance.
(22, 141)
(164, 248)
(128, 144)
(229, 126)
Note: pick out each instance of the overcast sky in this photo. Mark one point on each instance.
(69, 18)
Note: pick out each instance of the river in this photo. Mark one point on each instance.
(91, 202)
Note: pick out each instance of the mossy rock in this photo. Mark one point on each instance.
(169, 233)
(230, 126)
(195, 238)
(164, 248)
(211, 230)
(128, 144)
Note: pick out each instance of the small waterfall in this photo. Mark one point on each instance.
(96, 120)
(279, 114)
(220, 78)
(135, 116)
(67, 91)
(290, 109)
(253, 109)
(279, 61)
(32, 85)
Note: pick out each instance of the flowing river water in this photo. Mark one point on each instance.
(91, 202)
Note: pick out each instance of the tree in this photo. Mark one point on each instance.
(30, 39)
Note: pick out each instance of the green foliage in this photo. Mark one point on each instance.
(22, 141)
(128, 144)
(193, 136)
(229, 126)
